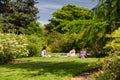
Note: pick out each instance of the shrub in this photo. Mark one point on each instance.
(35, 44)
(59, 42)
(34, 28)
(111, 65)
(12, 46)
(110, 68)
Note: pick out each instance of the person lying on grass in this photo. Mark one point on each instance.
(71, 53)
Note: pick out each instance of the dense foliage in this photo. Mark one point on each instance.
(89, 33)
(34, 28)
(109, 9)
(81, 29)
(111, 65)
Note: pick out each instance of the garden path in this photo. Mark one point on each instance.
(87, 75)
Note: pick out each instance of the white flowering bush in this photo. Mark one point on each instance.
(12, 46)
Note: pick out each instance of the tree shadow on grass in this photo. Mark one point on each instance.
(55, 68)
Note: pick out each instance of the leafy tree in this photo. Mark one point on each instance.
(34, 28)
(88, 33)
(66, 14)
(17, 14)
(82, 29)
(72, 12)
(107, 13)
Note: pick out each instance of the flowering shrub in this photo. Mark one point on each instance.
(12, 46)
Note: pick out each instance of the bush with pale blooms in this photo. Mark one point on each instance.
(12, 46)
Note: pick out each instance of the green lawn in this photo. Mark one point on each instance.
(38, 68)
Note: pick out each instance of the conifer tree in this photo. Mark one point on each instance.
(17, 14)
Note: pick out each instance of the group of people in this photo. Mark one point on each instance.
(72, 52)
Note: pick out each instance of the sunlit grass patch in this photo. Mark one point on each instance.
(38, 68)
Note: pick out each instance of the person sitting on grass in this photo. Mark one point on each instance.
(43, 52)
(83, 53)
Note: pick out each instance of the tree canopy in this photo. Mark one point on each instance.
(66, 14)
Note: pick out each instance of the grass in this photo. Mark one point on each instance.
(38, 68)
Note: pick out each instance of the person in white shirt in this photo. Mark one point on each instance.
(43, 52)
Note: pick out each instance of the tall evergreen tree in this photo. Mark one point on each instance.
(4, 6)
(17, 14)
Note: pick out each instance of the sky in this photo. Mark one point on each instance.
(47, 7)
